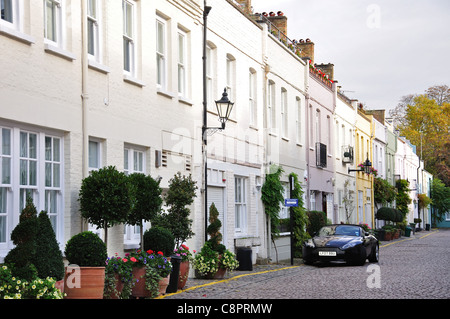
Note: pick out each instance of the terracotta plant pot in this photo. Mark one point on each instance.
(139, 290)
(163, 283)
(119, 287)
(184, 273)
(84, 282)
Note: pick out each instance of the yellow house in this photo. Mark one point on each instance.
(364, 182)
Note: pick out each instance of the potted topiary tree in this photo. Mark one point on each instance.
(85, 275)
(147, 200)
(105, 198)
(180, 195)
(214, 259)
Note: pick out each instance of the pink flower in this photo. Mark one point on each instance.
(124, 260)
(133, 259)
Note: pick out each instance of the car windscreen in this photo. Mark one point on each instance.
(345, 230)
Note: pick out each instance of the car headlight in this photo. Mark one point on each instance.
(350, 245)
(309, 243)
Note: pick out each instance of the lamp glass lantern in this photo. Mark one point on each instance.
(367, 166)
(224, 107)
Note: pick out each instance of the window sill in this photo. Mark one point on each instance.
(132, 80)
(185, 101)
(16, 35)
(165, 93)
(53, 49)
(98, 66)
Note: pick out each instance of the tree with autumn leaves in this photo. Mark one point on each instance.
(425, 121)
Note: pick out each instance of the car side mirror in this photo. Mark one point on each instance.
(366, 233)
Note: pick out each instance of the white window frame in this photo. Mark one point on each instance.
(284, 210)
(53, 33)
(129, 38)
(14, 28)
(182, 38)
(210, 76)
(31, 157)
(94, 21)
(98, 156)
(161, 54)
(271, 108)
(298, 120)
(240, 204)
(252, 97)
(134, 162)
(284, 113)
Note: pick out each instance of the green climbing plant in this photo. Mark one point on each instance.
(272, 197)
(300, 218)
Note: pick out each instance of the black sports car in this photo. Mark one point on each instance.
(350, 243)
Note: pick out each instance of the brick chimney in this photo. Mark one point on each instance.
(279, 20)
(307, 49)
(328, 69)
(246, 5)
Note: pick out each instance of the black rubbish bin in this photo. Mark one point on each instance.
(173, 281)
(427, 227)
(244, 257)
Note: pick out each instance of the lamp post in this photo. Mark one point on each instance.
(224, 108)
(365, 169)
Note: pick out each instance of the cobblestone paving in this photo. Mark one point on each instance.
(409, 267)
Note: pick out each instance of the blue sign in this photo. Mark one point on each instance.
(288, 202)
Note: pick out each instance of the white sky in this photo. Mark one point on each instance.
(381, 50)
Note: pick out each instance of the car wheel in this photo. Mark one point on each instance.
(375, 255)
(361, 259)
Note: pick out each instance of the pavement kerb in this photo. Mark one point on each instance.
(225, 281)
(408, 238)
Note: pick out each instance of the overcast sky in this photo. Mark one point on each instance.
(381, 50)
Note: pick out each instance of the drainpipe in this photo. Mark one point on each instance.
(84, 95)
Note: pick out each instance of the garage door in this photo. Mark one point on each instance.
(215, 195)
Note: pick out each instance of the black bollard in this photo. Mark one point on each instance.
(173, 282)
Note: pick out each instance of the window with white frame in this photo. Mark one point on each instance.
(133, 162)
(240, 204)
(161, 53)
(129, 60)
(5, 182)
(252, 96)
(230, 77)
(271, 117)
(30, 165)
(94, 155)
(53, 20)
(284, 113)
(210, 72)
(8, 11)
(53, 178)
(182, 63)
(298, 120)
(284, 210)
(93, 17)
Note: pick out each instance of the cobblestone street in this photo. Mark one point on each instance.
(409, 268)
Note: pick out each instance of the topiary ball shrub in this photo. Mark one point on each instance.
(159, 239)
(86, 249)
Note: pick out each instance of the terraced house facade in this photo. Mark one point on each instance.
(93, 83)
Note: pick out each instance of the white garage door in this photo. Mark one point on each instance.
(215, 195)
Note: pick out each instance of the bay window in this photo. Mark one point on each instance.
(31, 165)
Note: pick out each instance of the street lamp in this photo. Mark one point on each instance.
(366, 168)
(224, 108)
